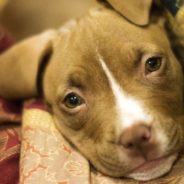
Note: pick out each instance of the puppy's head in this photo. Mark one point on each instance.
(116, 92)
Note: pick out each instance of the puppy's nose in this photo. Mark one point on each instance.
(136, 138)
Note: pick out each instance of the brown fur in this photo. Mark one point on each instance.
(121, 48)
(74, 66)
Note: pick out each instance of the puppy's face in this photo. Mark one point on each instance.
(117, 94)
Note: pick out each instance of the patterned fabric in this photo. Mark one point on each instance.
(47, 158)
(9, 155)
(9, 142)
(10, 116)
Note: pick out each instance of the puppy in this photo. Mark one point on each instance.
(115, 90)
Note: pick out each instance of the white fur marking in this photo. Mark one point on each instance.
(129, 110)
(94, 12)
(66, 28)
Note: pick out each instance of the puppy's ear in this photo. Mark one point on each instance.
(136, 11)
(20, 65)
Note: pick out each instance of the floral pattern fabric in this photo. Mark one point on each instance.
(10, 118)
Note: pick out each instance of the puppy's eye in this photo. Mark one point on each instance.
(72, 100)
(153, 64)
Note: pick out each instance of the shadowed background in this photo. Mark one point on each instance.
(23, 18)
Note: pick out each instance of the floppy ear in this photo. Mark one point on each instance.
(20, 65)
(136, 11)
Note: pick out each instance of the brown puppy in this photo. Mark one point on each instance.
(115, 89)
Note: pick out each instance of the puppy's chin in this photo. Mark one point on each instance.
(153, 169)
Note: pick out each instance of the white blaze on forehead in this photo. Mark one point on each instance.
(66, 28)
(128, 109)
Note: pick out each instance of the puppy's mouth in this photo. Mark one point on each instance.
(154, 168)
